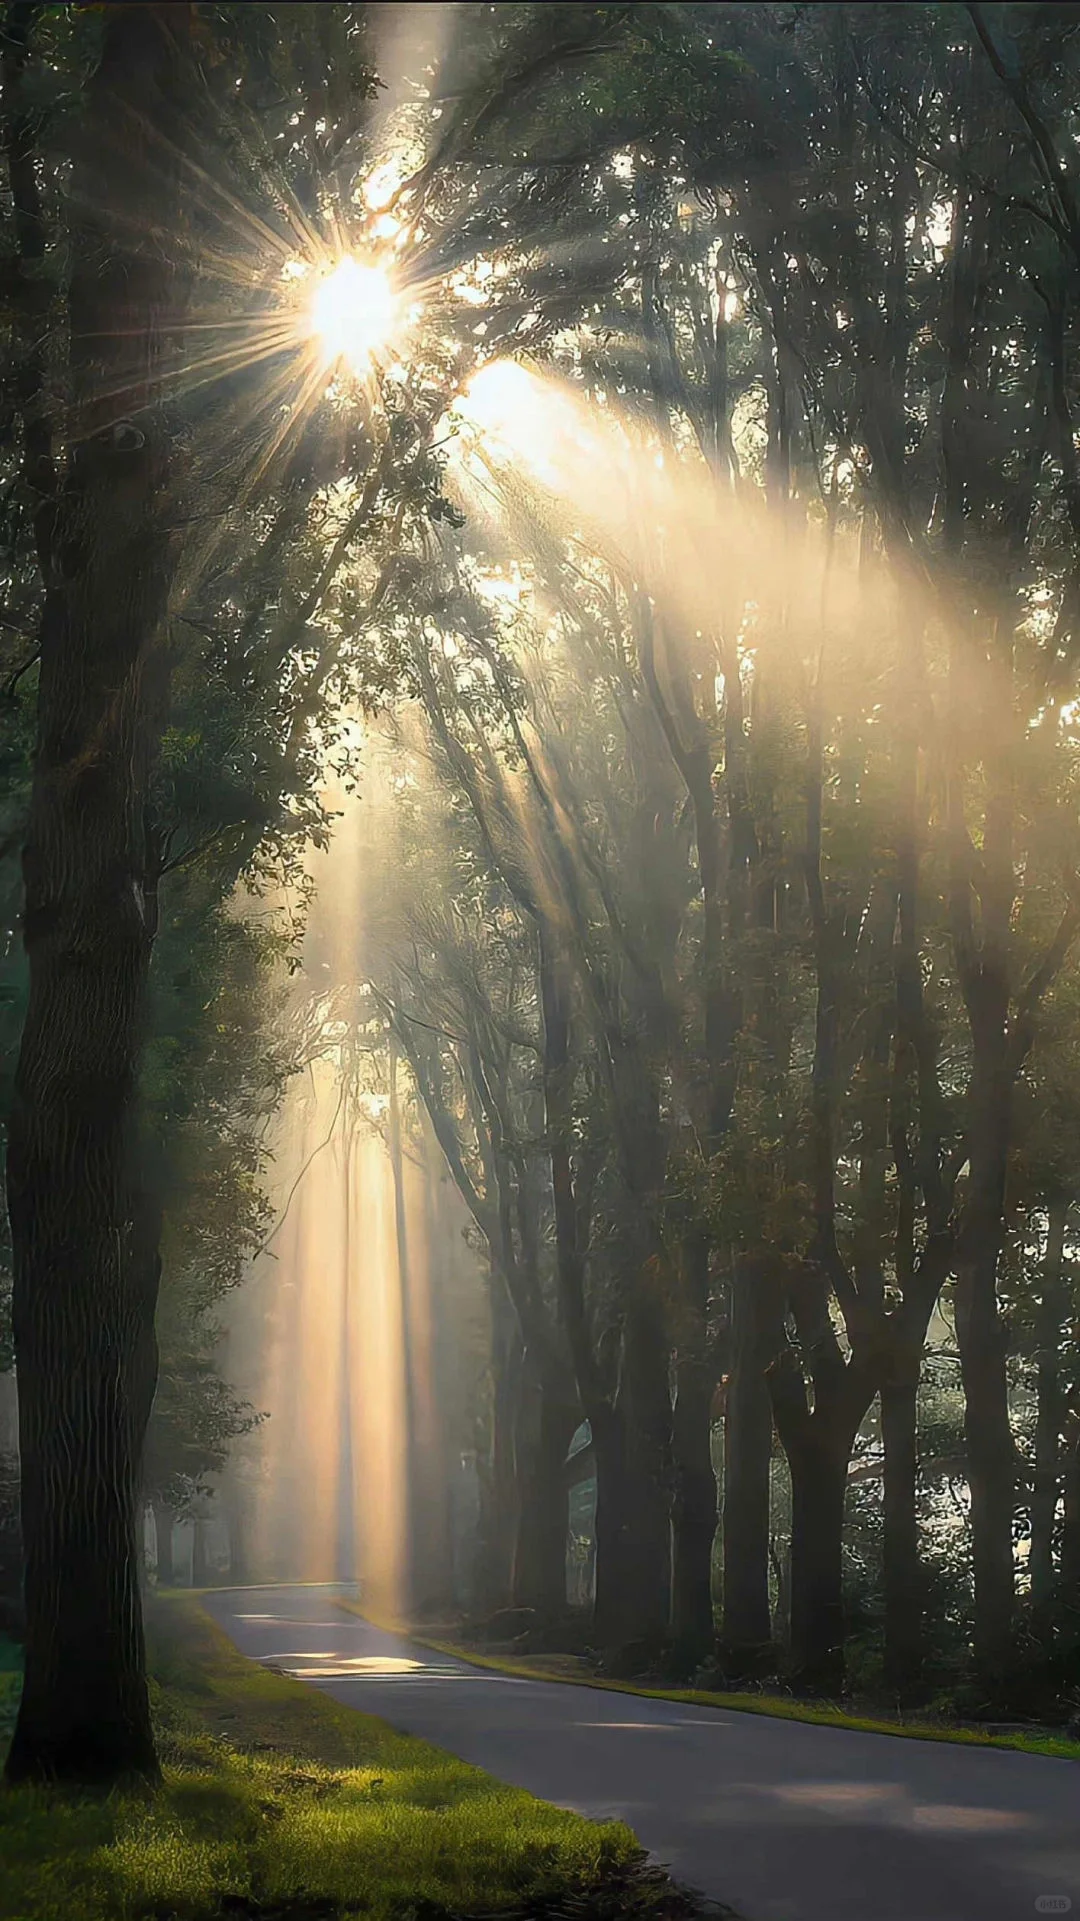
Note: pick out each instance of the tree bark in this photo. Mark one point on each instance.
(84, 1292)
(645, 1405)
(1070, 1525)
(544, 1433)
(982, 1340)
(818, 1444)
(694, 1508)
(818, 1482)
(498, 1484)
(614, 1612)
(1050, 1408)
(694, 1492)
(781, 1619)
(904, 1585)
(748, 1437)
(982, 950)
(611, 1616)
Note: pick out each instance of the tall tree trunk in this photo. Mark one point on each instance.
(611, 1611)
(694, 1508)
(748, 1438)
(982, 1340)
(1070, 1524)
(645, 1405)
(904, 1584)
(164, 1521)
(84, 1302)
(495, 1463)
(200, 1564)
(607, 1421)
(818, 1446)
(1050, 1408)
(982, 947)
(818, 1482)
(408, 1596)
(236, 1521)
(432, 1550)
(781, 1619)
(694, 1497)
(545, 1430)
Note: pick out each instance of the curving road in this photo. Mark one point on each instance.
(784, 1821)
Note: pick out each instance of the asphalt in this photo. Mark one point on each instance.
(779, 1819)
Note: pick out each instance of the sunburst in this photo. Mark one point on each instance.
(353, 313)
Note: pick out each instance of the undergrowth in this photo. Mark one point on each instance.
(281, 1804)
(576, 1671)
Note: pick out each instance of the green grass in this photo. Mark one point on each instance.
(574, 1671)
(277, 1799)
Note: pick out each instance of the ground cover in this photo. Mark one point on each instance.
(578, 1671)
(281, 1805)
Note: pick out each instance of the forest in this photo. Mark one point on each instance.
(599, 486)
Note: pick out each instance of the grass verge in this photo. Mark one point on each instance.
(576, 1672)
(281, 1804)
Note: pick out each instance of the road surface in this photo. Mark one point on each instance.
(782, 1820)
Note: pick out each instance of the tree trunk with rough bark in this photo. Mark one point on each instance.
(748, 1439)
(818, 1483)
(818, 1442)
(84, 1289)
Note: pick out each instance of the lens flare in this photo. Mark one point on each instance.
(353, 313)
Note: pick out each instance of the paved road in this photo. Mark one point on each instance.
(784, 1821)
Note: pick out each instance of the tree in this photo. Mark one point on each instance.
(85, 1279)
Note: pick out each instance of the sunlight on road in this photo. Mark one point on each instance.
(969, 1820)
(285, 1621)
(889, 1801)
(372, 1666)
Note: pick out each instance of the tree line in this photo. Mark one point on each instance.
(733, 939)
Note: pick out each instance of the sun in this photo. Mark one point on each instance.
(354, 310)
